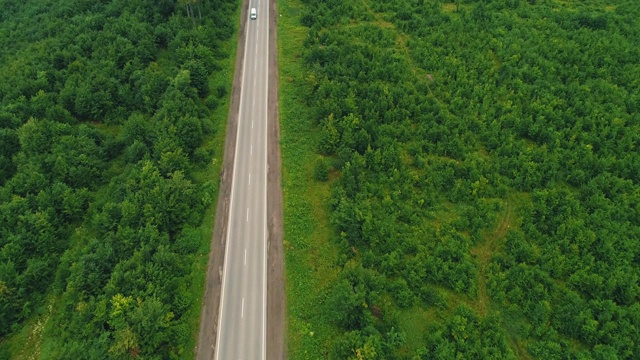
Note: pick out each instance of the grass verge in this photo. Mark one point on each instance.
(310, 253)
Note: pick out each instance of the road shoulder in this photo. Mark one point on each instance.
(276, 326)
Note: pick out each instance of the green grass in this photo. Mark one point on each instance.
(414, 323)
(27, 342)
(310, 253)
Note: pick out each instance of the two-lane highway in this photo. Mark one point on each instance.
(242, 318)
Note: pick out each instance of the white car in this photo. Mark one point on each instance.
(254, 14)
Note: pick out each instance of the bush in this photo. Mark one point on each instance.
(321, 171)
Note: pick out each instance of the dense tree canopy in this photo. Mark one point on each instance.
(104, 112)
(488, 175)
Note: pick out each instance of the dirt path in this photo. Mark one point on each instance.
(483, 252)
(205, 348)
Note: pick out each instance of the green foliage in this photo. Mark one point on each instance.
(487, 172)
(321, 171)
(103, 126)
(466, 336)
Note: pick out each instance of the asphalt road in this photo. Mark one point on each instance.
(242, 320)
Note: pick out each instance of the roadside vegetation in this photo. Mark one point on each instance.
(112, 118)
(461, 179)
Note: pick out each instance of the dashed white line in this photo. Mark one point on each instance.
(242, 308)
(245, 256)
(249, 179)
(247, 214)
(251, 153)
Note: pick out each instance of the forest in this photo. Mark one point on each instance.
(111, 120)
(483, 165)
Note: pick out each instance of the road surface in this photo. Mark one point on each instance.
(242, 319)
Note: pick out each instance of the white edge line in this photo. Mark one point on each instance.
(235, 159)
(266, 147)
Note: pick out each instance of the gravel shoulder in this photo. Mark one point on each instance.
(276, 302)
